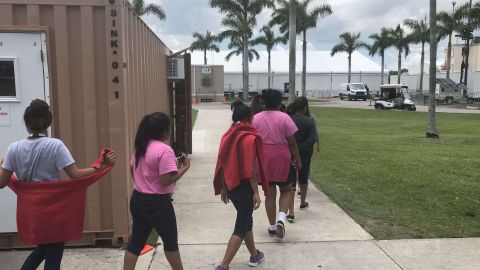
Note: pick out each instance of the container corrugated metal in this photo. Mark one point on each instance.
(107, 69)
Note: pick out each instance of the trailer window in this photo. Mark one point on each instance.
(7, 79)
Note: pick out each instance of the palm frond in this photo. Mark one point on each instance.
(338, 48)
(155, 10)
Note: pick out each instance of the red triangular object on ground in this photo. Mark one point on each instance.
(146, 249)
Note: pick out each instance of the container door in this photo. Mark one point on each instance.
(23, 77)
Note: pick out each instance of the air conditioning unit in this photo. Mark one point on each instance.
(175, 69)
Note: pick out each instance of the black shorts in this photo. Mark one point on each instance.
(152, 211)
(304, 173)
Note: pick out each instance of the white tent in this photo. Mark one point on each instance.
(324, 72)
(317, 62)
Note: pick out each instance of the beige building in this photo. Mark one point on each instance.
(207, 83)
(474, 58)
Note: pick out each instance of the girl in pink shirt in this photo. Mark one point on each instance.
(277, 130)
(154, 170)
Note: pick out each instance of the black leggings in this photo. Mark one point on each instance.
(51, 253)
(152, 211)
(242, 198)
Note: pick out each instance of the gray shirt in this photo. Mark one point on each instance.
(37, 160)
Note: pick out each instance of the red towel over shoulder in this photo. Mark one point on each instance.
(53, 211)
(238, 147)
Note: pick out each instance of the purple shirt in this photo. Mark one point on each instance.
(275, 127)
(158, 160)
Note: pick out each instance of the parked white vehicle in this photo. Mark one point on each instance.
(394, 96)
(447, 91)
(353, 91)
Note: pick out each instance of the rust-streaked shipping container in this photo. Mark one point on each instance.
(105, 70)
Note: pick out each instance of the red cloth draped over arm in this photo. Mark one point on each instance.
(239, 146)
(53, 211)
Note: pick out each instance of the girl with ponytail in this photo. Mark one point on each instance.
(155, 171)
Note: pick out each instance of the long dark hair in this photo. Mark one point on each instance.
(301, 104)
(152, 127)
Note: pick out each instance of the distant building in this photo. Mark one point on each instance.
(473, 60)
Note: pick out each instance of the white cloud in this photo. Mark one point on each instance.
(366, 16)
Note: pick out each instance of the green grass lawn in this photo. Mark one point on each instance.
(194, 116)
(379, 167)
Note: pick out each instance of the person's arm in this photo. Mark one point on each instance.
(4, 175)
(76, 173)
(254, 185)
(292, 144)
(171, 178)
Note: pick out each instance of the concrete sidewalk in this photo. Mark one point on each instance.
(323, 236)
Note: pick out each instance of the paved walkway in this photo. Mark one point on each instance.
(323, 237)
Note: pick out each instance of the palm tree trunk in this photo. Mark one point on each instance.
(269, 69)
(349, 68)
(205, 57)
(399, 66)
(245, 67)
(422, 63)
(383, 68)
(304, 66)
(449, 55)
(432, 127)
(292, 39)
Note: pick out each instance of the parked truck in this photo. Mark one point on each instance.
(353, 91)
(447, 91)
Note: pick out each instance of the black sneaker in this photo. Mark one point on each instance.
(272, 232)
(280, 229)
(291, 218)
(304, 206)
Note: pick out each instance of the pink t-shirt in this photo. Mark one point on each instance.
(158, 160)
(275, 127)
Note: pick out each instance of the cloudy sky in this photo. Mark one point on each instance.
(366, 16)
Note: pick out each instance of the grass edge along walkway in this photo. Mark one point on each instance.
(379, 167)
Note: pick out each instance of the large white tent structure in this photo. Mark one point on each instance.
(324, 72)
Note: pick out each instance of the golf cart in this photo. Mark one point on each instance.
(394, 96)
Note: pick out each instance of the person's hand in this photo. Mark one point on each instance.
(1, 161)
(110, 159)
(298, 165)
(256, 201)
(224, 196)
(318, 148)
(186, 162)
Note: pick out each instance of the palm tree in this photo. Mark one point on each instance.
(399, 40)
(237, 46)
(204, 43)
(141, 9)
(349, 42)
(475, 15)
(432, 127)
(240, 20)
(447, 24)
(420, 34)
(305, 20)
(269, 40)
(380, 44)
(292, 68)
